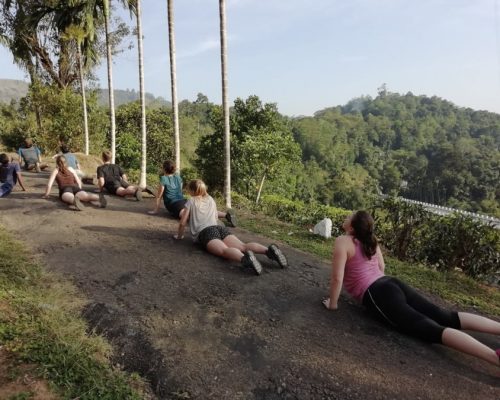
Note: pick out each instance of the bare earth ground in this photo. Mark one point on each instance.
(199, 327)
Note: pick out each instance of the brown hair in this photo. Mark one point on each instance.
(4, 158)
(362, 224)
(61, 164)
(197, 187)
(106, 156)
(169, 167)
(28, 142)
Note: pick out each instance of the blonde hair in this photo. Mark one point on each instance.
(197, 187)
(61, 164)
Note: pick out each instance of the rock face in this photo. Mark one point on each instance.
(324, 228)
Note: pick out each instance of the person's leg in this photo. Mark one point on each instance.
(219, 248)
(128, 191)
(68, 198)
(87, 197)
(461, 341)
(5, 189)
(478, 323)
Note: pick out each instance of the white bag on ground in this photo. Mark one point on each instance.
(324, 228)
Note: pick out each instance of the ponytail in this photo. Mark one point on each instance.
(363, 224)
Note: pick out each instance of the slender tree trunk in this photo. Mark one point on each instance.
(142, 182)
(84, 100)
(225, 104)
(110, 82)
(260, 188)
(173, 83)
(34, 80)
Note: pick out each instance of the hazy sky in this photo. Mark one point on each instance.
(306, 55)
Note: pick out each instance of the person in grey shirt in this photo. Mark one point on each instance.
(201, 213)
(31, 156)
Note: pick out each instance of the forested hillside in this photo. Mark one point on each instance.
(415, 146)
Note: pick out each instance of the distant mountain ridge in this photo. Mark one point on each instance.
(11, 89)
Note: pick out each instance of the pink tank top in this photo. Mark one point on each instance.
(360, 272)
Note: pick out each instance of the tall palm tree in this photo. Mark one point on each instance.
(173, 82)
(112, 120)
(225, 104)
(142, 182)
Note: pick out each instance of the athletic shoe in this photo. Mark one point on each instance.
(231, 218)
(37, 167)
(274, 253)
(78, 204)
(250, 261)
(102, 200)
(138, 194)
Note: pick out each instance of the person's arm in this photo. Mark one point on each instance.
(20, 180)
(380, 257)
(182, 225)
(77, 178)
(100, 184)
(159, 194)
(50, 183)
(338, 268)
(124, 177)
(39, 154)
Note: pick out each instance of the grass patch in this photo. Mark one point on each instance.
(452, 286)
(38, 325)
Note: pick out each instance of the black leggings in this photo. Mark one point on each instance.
(407, 311)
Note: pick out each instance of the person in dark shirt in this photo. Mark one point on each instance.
(112, 178)
(10, 174)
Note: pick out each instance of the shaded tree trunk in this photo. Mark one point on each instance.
(112, 123)
(260, 188)
(84, 100)
(225, 105)
(142, 182)
(173, 82)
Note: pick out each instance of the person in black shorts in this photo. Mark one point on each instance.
(70, 187)
(358, 265)
(112, 178)
(201, 212)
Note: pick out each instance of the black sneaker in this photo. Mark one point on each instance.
(250, 261)
(274, 253)
(78, 204)
(231, 218)
(102, 200)
(138, 194)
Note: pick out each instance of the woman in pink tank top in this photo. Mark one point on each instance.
(358, 265)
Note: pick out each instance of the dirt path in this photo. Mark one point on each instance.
(198, 327)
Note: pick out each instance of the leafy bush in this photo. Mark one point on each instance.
(445, 242)
(457, 241)
(297, 212)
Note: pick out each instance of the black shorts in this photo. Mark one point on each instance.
(113, 186)
(176, 207)
(213, 232)
(69, 189)
(406, 310)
